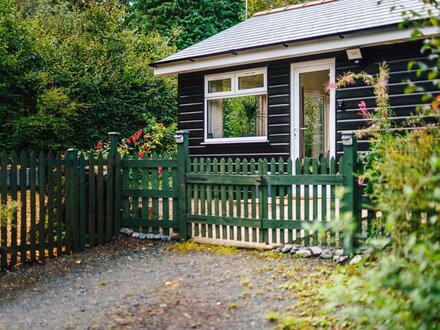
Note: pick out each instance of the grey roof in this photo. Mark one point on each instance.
(304, 23)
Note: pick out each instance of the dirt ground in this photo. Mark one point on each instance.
(139, 284)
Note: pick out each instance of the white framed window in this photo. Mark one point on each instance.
(236, 107)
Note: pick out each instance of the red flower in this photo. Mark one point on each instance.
(436, 103)
(128, 141)
(99, 145)
(146, 148)
(160, 170)
(141, 155)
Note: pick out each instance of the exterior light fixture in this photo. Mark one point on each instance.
(354, 54)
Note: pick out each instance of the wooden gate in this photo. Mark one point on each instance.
(272, 202)
(152, 194)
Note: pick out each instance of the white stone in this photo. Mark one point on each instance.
(286, 248)
(316, 250)
(304, 253)
(339, 252)
(135, 234)
(326, 254)
(356, 259)
(342, 259)
(126, 231)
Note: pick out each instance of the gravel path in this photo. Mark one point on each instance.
(151, 286)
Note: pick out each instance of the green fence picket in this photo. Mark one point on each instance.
(315, 201)
(82, 202)
(3, 220)
(237, 189)
(254, 171)
(23, 207)
(91, 202)
(60, 206)
(14, 197)
(165, 200)
(289, 199)
(42, 208)
(324, 170)
(307, 202)
(209, 189)
(33, 207)
(100, 202)
(50, 204)
(298, 201)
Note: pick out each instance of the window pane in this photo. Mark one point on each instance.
(237, 117)
(220, 85)
(252, 81)
(315, 105)
(314, 128)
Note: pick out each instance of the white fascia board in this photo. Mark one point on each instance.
(325, 45)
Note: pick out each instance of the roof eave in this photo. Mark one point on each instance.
(277, 51)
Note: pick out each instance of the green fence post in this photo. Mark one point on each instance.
(113, 166)
(350, 200)
(71, 209)
(182, 140)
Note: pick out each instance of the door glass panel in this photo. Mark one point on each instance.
(314, 114)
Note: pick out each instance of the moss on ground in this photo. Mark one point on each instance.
(191, 246)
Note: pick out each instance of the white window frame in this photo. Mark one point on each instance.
(235, 92)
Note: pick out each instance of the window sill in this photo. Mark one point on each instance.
(236, 141)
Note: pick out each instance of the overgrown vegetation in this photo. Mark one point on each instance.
(71, 73)
(401, 290)
(185, 22)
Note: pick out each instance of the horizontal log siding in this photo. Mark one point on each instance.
(191, 100)
(191, 117)
(404, 105)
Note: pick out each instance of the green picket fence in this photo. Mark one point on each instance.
(272, 201)
(69, 202)
(64, 203)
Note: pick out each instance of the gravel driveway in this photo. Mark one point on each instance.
(137, 284)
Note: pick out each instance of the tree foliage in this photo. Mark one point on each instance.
(185, 22)
(260, 5)
(71, 73)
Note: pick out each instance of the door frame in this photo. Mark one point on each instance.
(295, 70)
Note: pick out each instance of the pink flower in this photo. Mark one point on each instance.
(329, 86)
(361, 181)
(160, 170)
(364, 112)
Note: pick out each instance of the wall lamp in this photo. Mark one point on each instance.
(354, 54)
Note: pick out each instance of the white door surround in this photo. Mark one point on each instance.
(296, 70)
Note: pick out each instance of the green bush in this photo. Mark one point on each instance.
(70, 73)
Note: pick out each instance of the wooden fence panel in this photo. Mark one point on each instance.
(62, 204)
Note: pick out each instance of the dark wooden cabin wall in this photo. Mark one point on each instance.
(191, 100)
(404, 105)
(191, 107)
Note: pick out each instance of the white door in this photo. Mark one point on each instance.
(313, 110)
